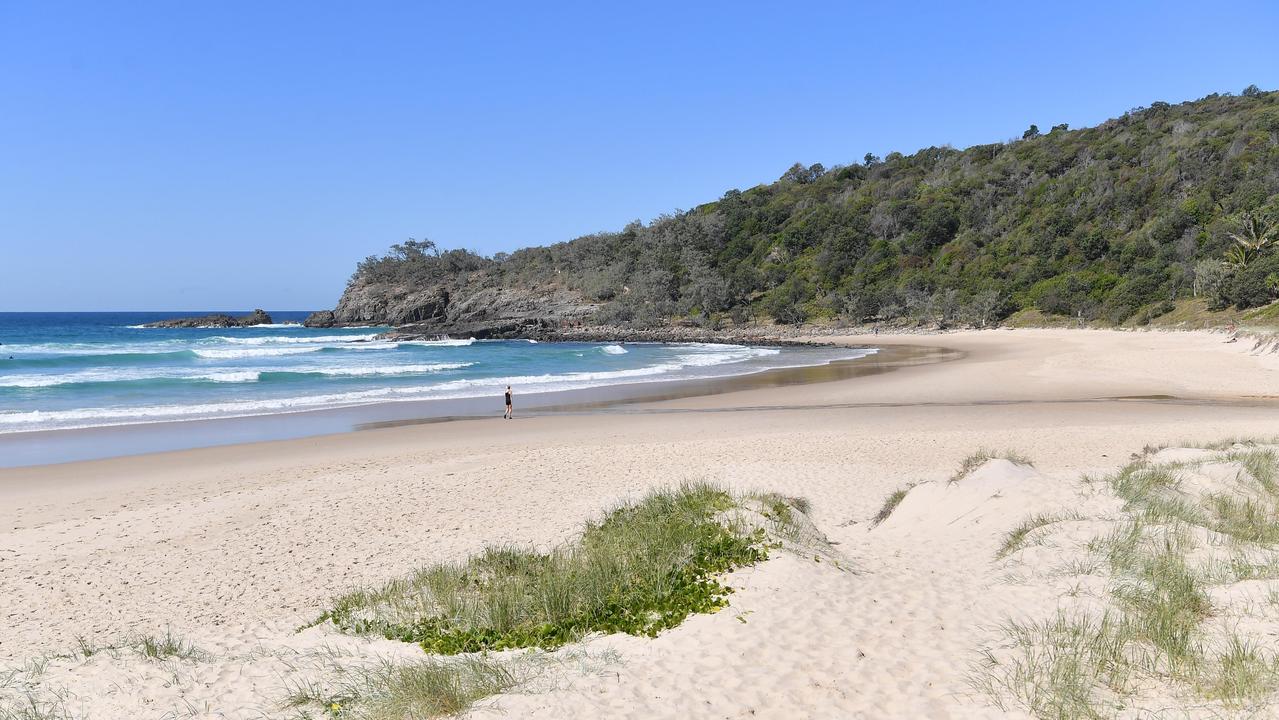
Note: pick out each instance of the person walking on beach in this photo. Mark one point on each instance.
(509, 414)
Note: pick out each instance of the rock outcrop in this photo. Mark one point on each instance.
(461, 309)
(216, 320)
(320, 319)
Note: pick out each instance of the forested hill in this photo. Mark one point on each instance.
(1107, 223)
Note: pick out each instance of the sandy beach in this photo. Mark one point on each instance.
(236, 547)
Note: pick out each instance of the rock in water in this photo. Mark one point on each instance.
(216, 320)
(257, 317)
(320, 319)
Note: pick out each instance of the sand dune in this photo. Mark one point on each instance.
(234, 548)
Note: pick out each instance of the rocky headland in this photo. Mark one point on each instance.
(459, 308)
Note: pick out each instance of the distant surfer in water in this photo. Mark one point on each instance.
(509, 414)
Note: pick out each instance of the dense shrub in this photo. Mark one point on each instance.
(1254, 285)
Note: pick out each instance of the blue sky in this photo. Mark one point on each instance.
(227, 155)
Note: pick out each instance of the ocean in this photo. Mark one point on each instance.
(78, 370)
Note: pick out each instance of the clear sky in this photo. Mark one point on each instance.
(229, 155)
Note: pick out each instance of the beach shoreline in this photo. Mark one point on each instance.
(242, 544)
(61, 445)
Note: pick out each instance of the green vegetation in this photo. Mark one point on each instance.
(1065, 668)
(890, 504)
(642, 569)
(1241, 671)
(1151, 491)
(29, 708)
(1077, 666)
(982, 456)
(160, 647)
(396, 691)
(1017, 538)
(1120, 223)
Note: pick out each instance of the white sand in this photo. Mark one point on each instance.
(235, 547)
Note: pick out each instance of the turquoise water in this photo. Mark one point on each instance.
(69, 370)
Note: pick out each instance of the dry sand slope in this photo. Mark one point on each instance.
(233, 548)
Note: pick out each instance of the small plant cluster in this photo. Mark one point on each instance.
(984, 455)
(644, 568)
(890, 504)
(966, 467)
(1080, 666)
(1019, 537)
(23, 698)
(392, 691)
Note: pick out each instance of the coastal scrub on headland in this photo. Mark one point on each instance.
(1171, 209)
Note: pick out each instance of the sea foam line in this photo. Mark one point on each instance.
(97, 417)
(225, 376)
(293, 339)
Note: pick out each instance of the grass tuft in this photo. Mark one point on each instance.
(984, 455)
(29, 708)
(890, 504)
(1080, 667)
(1240, 674)
(395, 691)
(1166, 602)
(1065, 668)
(168, 645)
(1015, 540)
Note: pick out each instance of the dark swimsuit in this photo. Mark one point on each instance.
(508, 398)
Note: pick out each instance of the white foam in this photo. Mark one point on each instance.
(613, 350)
(235, 353)
(230, 376)
(35, 381)
(124, 375)
(730, 354)
(161, 346)
(386, 370)
(366, 346)
(446, 342)
(219, 327)
(294, 339)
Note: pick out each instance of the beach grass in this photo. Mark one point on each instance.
(1242, 672)
(1072, 666)
(1018, 537)
(21, 700)
(1081, 666)
(27, 707)
(1165, 602)
(643, 568)
(168, 645)
(890, 504)
(395, 691)
(984, 455)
